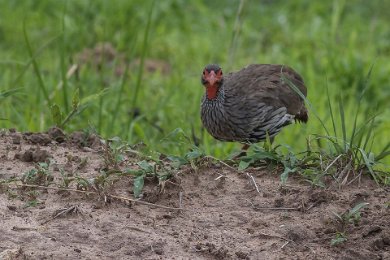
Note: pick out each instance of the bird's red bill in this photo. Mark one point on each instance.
(211, 77)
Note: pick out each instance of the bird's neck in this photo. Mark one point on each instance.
(214, 92)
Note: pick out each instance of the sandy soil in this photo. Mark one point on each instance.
(223, 214)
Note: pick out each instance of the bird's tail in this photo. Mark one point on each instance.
(302, 116)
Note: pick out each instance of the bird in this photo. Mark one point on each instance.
(248, 105)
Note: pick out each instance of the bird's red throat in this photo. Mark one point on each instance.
(211, 91)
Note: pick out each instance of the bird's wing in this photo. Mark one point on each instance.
(264, 83)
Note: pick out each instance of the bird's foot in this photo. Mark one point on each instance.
(239, 155)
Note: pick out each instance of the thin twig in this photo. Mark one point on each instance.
(93, 192)
(180, 199)
(138, 229)
(358, 176)
(283, 238)
(219, 177)
(285, 244)
(62, 212)
(253, 181)
(16, 228)
(330, 165)
(221, 162)
(271, 208)
(273, 236)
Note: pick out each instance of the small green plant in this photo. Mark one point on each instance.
(271, 156)
(78, 106)
(66, 179)
(148, 169)
(32, 198)
(339, 239)
(189, 154)
(114, 150)
(344, 157)
(351, 216)
(40, 175)
(82, 183)
(193, 157)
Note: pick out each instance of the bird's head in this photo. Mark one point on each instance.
(212, 79)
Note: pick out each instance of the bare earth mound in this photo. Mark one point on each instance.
(223, 214)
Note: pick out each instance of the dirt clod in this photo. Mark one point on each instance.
(57, 134)
(39, 138)
(242, 255)
(40, 155)
(12, 254)
(371, 230)
(16, 138)
(27, 156)
(33, 155)
(83, 139)
(298, 233)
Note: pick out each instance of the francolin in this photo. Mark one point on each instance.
(246, 105)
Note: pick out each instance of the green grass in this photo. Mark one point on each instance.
(332, 44)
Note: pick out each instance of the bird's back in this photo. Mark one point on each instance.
(266, 83)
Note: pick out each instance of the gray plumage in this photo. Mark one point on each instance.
(252, 102)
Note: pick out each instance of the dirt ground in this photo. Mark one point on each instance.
(213, 213)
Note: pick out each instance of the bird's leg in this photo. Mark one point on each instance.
(244, 148)
(242, 153)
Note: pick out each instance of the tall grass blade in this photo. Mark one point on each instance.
(368, 164)
(122, 85)
(292, 85)
(236, 33)
(360, 130)
(41, 84)
(342, 119)
(8, 93)
(369, 133)
(31, 59)
(384, 153)
(64, 85)
(330, 109)
(133, 102)
(119, 96)
(338, 7)
(353, 135)
(143, 55)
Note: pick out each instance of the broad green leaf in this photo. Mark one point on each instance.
(138, 185)
(177, 161)
(194, 154)
(338, 240)
(357, 208)
(243, 165)
(56, 114)
(284, 175)
(76, 99)
(147, 167)
(134, 172)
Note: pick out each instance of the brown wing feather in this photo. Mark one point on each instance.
(262, 83)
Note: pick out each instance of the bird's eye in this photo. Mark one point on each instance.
(204, 72)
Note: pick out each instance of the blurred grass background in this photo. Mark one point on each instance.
(330, 43)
